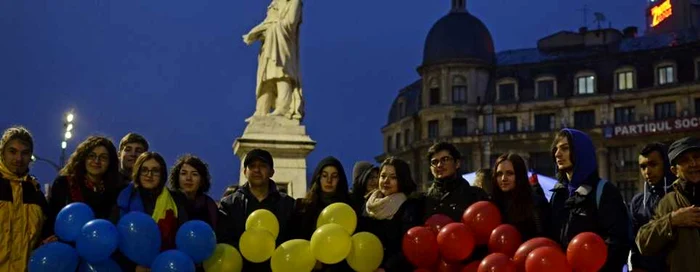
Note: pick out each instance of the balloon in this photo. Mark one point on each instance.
(472, 267)
(257, 245)
(456, 242)
(437, 221)
(104, 266)
(366, 253)
(505, 239)
(97, 241)
(196, 239)
(53, 257)
(224, 259)
(445, 266)
(422, 270)
(71, 219)
(139, 238)
(587, 252)
(420, 247)
(293, 256)
(497, 262)
(331, 243)
(339, 213)
(482, 217)
(263, 219)
(546, 259)
(172, 260)
(527, 247)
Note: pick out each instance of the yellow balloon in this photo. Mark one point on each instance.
(367, 252)
(330, 243)
(293, 256)
(257, 245)
(263, 219)
(224, 259)
(339, 213)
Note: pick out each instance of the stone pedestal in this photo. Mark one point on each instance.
(289, 145)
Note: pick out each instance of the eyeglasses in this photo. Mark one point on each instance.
(94, 157)
(154, 172)
(443, 160)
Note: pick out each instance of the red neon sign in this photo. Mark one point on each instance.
(661, 12)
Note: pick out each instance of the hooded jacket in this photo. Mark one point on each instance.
(360, 175)
(574, 206)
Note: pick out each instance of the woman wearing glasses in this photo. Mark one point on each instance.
(91, 176)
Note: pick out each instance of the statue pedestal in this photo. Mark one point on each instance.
(289, 145)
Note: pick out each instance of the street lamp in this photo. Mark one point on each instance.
(67, 135)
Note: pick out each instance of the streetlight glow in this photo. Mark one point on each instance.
(68, 135)
(63, 145)
(70, 117)
(69, 127)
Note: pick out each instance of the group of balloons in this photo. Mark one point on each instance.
(331, 243)
(443, 245)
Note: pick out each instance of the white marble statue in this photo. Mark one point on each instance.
(278, 78)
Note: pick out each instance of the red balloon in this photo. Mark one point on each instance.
(527, 247)
(505, 239)
(437, 221)
(547, 259)
(420, 247)
(472, 267)
(456, 242)
(496, 262)
(422, 270)
(587, 252)
(482, 217)
(445, 266)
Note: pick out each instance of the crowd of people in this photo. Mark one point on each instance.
(658, 230)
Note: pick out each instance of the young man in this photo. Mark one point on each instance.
(130, 147)
(655, 168)
(259, 192)
(22, 204)
(579, 206)
(675, 228)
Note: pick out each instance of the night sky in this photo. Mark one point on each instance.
(178, 72)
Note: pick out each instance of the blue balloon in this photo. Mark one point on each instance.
(97, 241)
(104, 266)
(71, 219)
(139, 238)
(196, 239)
(53, 257)
(171, 261)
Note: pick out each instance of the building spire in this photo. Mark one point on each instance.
(459, 5)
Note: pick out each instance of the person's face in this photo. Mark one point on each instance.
(97, 161)
(388, 183)
(128, 155)
(329, 179)
(505, 176)
(687, 166)
(372, 181)
(652, 167)
(443, 165)
(562, 155)
(17, 156)
(258, 173)
(150, 174)
(190, 180)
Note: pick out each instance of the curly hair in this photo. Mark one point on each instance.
(143, 158)
(199, 165)
(75, 166)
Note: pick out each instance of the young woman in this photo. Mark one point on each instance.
(190, 175)
(514, 196)
(365, 179)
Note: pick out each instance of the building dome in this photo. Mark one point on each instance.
(458, 36)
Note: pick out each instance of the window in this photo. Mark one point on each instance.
(624, 115)
(402, 109)
(398, 140)
(628, 188)
(664, 110)
(544, 122)
(625, 158)
(507, 124)
(545, 89)
(407, 137)
(625, 80)
(543, 163)
(585, 84)
(506, 92)
(459, 127)
(388, 143)
(434, 96)
(697, 106)
(665, 74)
(584, 119)
(433, 129)
(459, 94)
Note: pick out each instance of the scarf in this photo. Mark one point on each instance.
(164, 213)
(384, 207)
(6, 173)
(76, 194)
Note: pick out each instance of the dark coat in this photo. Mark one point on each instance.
(451, 197)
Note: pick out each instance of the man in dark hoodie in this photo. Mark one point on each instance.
(656, 171)
(577, 204)
(260, 192)
(365, 178)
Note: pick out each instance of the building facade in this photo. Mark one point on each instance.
(624, 89)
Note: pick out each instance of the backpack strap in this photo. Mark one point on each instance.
(599, 192)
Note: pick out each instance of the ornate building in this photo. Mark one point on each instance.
(625, 90)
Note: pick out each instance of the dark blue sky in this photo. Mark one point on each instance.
(178, 72)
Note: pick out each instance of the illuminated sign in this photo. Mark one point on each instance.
(654, 127)
(661, 12)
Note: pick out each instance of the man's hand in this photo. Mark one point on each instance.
(688, 217)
